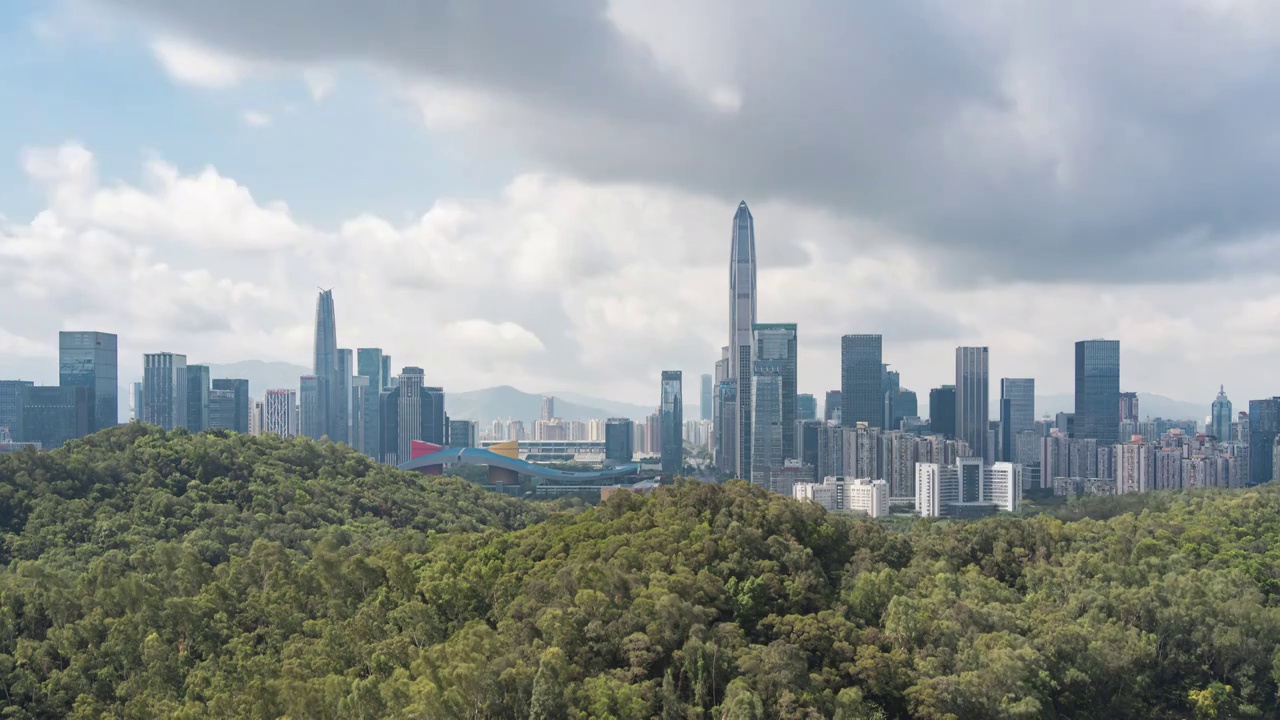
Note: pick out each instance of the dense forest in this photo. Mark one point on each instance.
(149, 574)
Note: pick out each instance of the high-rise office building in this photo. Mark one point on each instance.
(411, 384)
(164, 390)
(310, 407)
(742, 316)
(900, 404)
(806, 407)
(198, 385)
(861, 380)
(89, 359)
(776, 343)
(942, 410)
(1220, 416)
(388, 380)
(727, 427)
(1264, 426)
(279, 408)
(389, 424)
(671, 422)
(767, 421)
(239, 389)
(832, 406)
(1129, 407)
(1097, 415)
(222, 410)
(435, 423)
(723, 463)
(972, 398)
(359, 412)
(705, 398)
(11, 405)
(1017, 412)
(53, 415)
(328, 378)
(619, 440)
(548, 407)
(463, 433)
(371, 363)
(346, 371)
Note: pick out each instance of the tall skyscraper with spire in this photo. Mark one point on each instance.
(326, 370)
(1220, 416)
(742, 316)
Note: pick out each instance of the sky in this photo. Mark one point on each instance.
(541, 194)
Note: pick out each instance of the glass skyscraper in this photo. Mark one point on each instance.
(619, 440)
(973, 398)
(832, 406)
(88, 359)
(742, 316)
(671, 422)
(806, 408)
(198, 386)
(776, 342)
(1264, 426)
(861, 380)
(767, 425)
(328, 382)
(1097, 415)
(1017, 412)
(346, 370)
(311, 419)
(164, 390)
(1220, 416)
(705, 399)
(942, 410)
(11, 405)
(239, 389)
(372, 364)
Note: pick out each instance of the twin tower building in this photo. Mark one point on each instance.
(754, 400)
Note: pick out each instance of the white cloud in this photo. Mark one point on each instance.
(320, 82)
(191, 63)
(558, 283)
(255, 118)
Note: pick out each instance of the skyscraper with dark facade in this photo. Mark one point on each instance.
(619, 440)
(463, 433)
(11, 405)
(198, 386)
(239, 389)
(1097, 415)
(973, 398)
(164, 389)
(346, 371)
(310, 408)
(832, 406)
(53, 415)
(742, 316)
(776, 343)
(671, 422)
(1017, 412)
(371, 363)
(767, 393)
(1264, 426)
(806, 408)
(1220, 416)
(328, 382)
(1129, 407)
(861, 380)
(89, 359)
(942, 410)
(705, 398)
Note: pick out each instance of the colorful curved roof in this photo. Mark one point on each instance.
(479, 456)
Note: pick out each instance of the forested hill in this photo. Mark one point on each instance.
(152, 575)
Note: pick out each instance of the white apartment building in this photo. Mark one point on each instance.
(840, 494)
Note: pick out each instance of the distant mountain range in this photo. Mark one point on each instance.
(1149, 405)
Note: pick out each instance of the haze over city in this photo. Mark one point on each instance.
(546, 204)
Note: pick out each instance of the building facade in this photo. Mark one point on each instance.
(90, 360)
(861, 380)
(619, 440)
(11, 404)
(742, 316)
(279, 412)
(671, 422)
(972, 398)
(776, 343)
(1097, 414)
(51, 416)
(767, 451)
(198, 386)
(1220, 416)
(942, 411)
(164, 390)
(239, 389)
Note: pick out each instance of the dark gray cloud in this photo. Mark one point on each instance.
(1054, 141)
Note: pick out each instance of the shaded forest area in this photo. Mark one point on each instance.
(147, 575)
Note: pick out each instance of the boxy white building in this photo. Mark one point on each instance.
(840, 494)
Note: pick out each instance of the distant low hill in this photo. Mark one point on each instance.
(1149, 405)
(262, 375)
(507, 402)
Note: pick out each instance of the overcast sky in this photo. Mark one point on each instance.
(540, 193)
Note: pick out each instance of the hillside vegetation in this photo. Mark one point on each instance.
(169, 575)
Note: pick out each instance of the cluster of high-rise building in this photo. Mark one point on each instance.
(959, 459)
